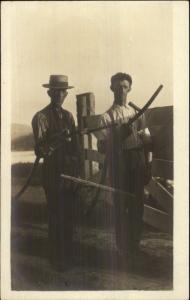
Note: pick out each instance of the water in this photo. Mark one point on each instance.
(22, 157)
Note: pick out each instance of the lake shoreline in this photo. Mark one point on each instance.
(27, 156)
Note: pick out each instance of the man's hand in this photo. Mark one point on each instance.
(64, 136)
(145, 136)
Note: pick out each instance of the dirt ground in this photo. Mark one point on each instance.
(94, 264)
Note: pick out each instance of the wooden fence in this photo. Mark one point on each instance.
(85, 108)
(159, 212)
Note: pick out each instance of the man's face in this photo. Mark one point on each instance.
(121, 89)
(57, 96)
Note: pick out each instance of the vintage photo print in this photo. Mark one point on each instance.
(94, 137)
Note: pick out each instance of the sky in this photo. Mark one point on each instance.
(89, 42)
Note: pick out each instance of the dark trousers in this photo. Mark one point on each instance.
(60, 223)
(129, 214)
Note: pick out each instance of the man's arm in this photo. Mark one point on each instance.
(146, 139)
(40, 128)
(75, 147)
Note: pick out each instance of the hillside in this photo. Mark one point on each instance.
(21, 137)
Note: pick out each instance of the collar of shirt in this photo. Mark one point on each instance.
(120, 106)
(121, 113)
(58, 111)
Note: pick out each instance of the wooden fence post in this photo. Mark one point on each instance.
(85, 107)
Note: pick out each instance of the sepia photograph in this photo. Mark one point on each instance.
(94, 150)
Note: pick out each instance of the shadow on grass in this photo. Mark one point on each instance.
(87, 256)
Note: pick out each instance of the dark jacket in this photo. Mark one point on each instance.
(60, 154)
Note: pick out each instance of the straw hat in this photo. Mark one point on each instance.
(58, 82)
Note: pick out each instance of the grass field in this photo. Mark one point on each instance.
(94, 264)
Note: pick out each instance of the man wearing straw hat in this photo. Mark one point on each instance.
(59, 156)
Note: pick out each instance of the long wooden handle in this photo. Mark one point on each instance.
(96, 185)
(25, 186)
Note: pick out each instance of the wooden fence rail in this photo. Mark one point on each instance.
(94, 155)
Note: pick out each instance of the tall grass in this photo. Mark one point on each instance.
(23, 170)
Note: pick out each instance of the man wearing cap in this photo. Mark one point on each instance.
(128, 165)
(59, 154)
